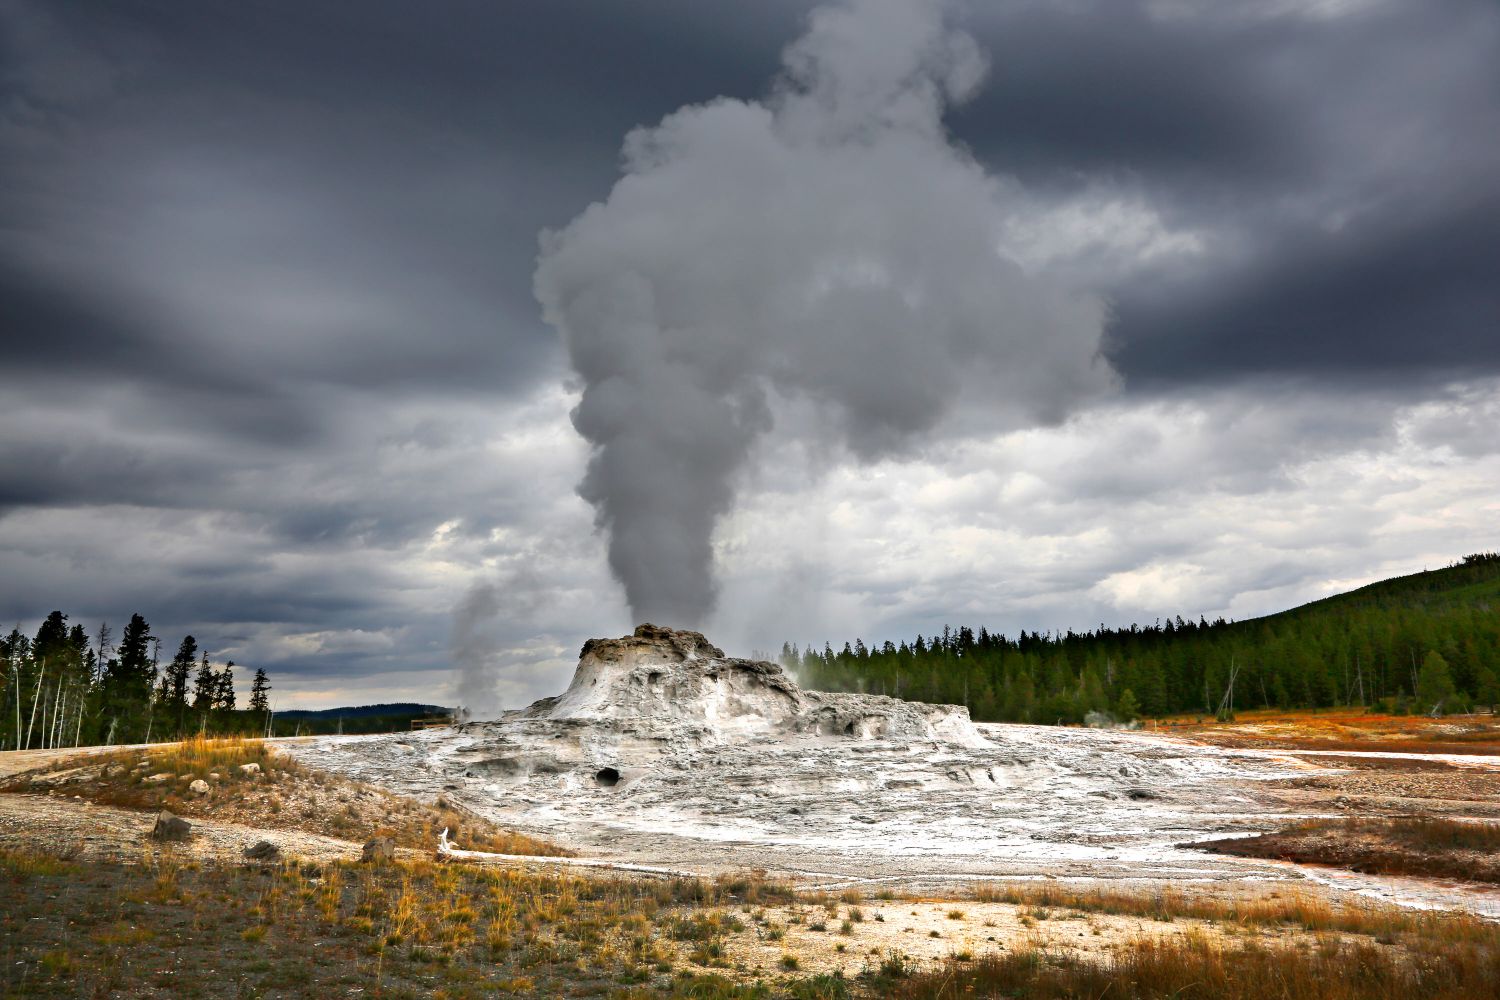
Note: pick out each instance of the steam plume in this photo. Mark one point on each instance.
(828, 242)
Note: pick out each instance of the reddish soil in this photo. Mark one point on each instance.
(1426, 848)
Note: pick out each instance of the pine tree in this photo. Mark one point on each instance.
(1127, 708)
(224, 689)
(130, 674)
(1487, 688)
(52, 638)
(175, 681)
(259, 688)
(128, 680)
(1092, 697)
(1435, 691)
(102, 639)
(205, 687)
(1155, 701)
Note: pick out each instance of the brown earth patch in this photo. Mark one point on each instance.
(1421, 846)
(1475, 748)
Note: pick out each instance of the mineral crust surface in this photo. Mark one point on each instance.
(665, 750)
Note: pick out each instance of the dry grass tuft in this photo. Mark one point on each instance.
(20, 864)
(1292, 909)
(1191, 966)
(420, 928)
(204, 755)
(420, 829)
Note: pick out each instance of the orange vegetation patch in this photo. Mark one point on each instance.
(1345, 729)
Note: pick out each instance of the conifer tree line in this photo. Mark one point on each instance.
(66, 687)
(1427, 643)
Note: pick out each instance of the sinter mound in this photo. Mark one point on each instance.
(676, 684)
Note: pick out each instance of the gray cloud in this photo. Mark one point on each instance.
(1238, 502)
(1376, 281)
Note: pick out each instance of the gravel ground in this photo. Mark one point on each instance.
(105, 833)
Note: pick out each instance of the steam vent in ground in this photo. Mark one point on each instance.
(665, 751)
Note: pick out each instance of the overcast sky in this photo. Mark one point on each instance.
(1211, 292)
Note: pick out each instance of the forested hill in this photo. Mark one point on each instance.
(1425, 642)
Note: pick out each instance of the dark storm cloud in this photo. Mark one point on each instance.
(1348, 164)
(265, 269)
(428, 150)
(1382, 297)
(51, 328)
(1107, 87)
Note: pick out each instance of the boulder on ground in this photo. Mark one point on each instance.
(379, 850)
(199, 787)
(263, 850)
(171, 827)
(214, 776)
(250, 770)
(157, 779)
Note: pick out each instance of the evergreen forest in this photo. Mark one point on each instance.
(64, 687)
(1427, 643)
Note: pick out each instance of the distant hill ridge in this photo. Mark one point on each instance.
(1475, 579)
(365, 711)
(1427, 641)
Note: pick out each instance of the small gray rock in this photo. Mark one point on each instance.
(263, 850)
(250, 770)
(157, 779)
(199, 787)
(379, 850)
(170, 827)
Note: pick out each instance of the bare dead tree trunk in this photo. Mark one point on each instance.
(31, 722)
(1227, 702)
(56, 715)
